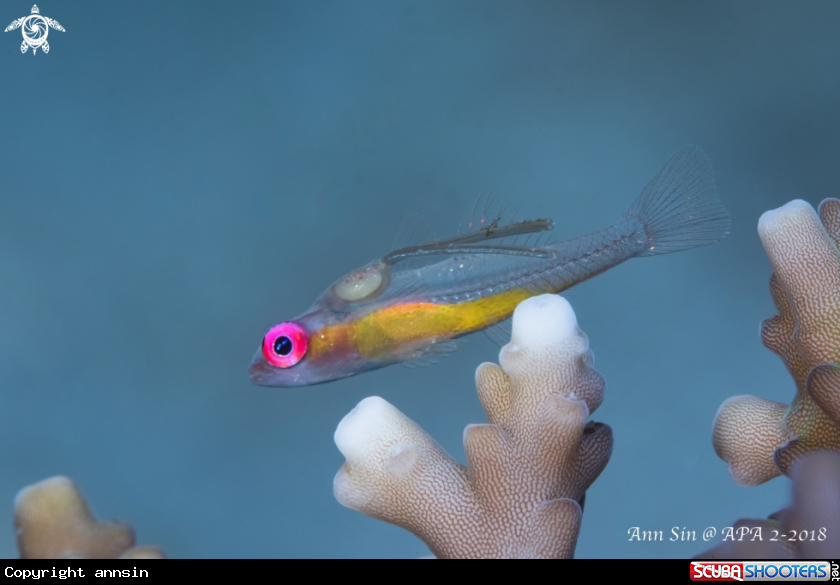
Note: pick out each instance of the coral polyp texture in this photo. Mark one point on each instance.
(760, 439)
(527, 470)
(53, 520)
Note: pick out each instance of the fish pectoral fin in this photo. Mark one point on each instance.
(499, 333)
(430, 355)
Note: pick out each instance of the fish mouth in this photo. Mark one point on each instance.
(264, 374)
(261, 372)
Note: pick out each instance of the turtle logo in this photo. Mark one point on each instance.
(35, 29)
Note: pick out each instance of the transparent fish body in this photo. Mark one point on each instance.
(411, 304)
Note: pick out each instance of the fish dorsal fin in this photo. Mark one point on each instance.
(484, 211)
(413, 231)
(490, 228)
(464, 245)
(489, 213)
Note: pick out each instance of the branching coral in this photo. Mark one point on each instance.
(53, 520)
(809, 528)
(527, 470)
(759, 438)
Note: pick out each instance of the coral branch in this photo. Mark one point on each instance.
(527, 470)
(758, 438)
(53, 520)
(809, 528)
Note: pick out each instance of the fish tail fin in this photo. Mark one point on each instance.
(679, 207)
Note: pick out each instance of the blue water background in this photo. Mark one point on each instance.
(175, 177)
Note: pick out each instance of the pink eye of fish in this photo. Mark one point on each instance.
(285, 344)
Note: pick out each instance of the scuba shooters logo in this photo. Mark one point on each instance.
(760, 571)
(35, 29)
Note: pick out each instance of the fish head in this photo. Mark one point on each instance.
(320, 346)
(312, 349)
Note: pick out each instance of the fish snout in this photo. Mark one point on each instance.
(260, 371)
(264, 374)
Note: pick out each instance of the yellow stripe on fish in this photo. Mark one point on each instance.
(381, 332)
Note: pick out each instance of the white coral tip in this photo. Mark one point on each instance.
(373, 421)
(545, 320)
(781, 217)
